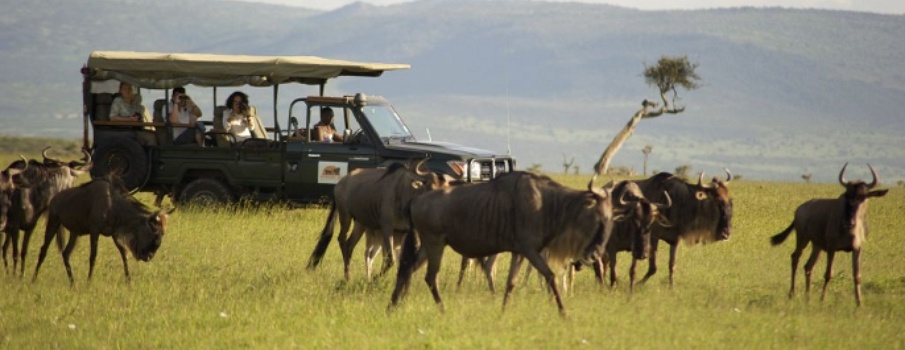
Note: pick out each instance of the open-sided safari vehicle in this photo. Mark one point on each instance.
(278, 162)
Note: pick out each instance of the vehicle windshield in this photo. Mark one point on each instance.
(386, 123)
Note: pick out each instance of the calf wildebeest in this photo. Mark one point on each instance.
(633, 232)
(699, 213)
(102, 207)
(832, 225)
(377, 200)
(518, 212)
(41, 181)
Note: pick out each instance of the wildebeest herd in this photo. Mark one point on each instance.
(412, 215)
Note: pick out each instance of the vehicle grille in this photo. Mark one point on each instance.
(491, 168)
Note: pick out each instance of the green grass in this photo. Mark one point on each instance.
(237, 278)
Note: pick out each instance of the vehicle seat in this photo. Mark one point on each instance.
(221, 136)
(164, 136)
(260, 132)
(102, 102)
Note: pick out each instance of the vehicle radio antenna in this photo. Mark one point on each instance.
(429, 138)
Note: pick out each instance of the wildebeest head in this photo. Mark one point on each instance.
(76, 168)
(599, 199)
(7, 186)
(148, 235)
(641, 214)
(716, 193)
(856, 194)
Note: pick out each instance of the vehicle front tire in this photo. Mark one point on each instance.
(206, 192)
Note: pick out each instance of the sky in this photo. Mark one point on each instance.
(896, 7)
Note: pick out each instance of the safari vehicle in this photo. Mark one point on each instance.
(279, 162)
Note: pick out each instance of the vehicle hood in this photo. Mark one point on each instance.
(444, 147)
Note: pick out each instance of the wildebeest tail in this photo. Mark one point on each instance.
(326, 235)
(781, 237)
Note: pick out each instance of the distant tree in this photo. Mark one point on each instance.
(575, 168)
(566, 165)
(646, 150)
(806, 177)
(621, 171)
(900, 183)
(682, 171)
(534, 168)
(668, 74)
(737, 177)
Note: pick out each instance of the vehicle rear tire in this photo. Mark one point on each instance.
(206, 192)
(124, 158)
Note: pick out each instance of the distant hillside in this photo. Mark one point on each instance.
(785, 91)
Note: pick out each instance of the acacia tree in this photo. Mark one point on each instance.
(667, 75)
(566, 165)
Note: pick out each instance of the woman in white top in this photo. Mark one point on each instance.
(237, 117)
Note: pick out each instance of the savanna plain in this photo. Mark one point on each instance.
(237, 277)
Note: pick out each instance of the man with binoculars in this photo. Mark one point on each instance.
(183, 111)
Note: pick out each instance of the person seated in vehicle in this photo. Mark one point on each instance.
(127, 107)
(237, 117)
(324, 130)
(185, 112)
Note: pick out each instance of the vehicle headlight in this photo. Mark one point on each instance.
(458, 167)
(474, 171)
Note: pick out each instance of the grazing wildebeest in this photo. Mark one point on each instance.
(7, 187)
(633, 232)
(518, 212)
(699, 213)
(832, 225)
(41, 181)
(377, 200)
(102, 207)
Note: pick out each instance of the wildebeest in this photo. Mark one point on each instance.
(41, 180)
(376, 199)
(101, 207)
(699, 213)
(7, 187)
(832, 225)
(633, 232)
(518, 212)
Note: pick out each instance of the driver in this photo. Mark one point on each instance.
(324, 131)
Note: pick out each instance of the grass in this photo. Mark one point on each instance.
(237, 278)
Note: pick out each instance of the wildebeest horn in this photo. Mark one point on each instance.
(622, 201)
(876, 178)
(842, 176)
(592, 182)
(728, 175)
(46, 158)
(87, 158)
(668, 201)
(701, 181)
(419, 165)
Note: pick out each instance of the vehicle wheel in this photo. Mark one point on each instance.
(206, 192)
(124, 158)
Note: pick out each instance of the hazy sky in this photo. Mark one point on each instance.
(878, 6)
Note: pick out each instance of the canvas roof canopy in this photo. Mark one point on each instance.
(152, 70)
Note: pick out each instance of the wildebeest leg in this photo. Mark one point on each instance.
(538, 262)
(410, 260)
(6, 240)
(796, 255)
(830, 254)
(25, 239)
(122, 254)
(599, 266)
(67, 252)
(673, 248)
(612, 263)
(372, 247)
(93, 255)
(347, 245)
(514, 266)
(52, 229)
(856, 274)
(488, 265)
(14, 237)
(631, 276)
(434, 250)
(652, 262)
(808, 268)
(389, 250)
(462, 267)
